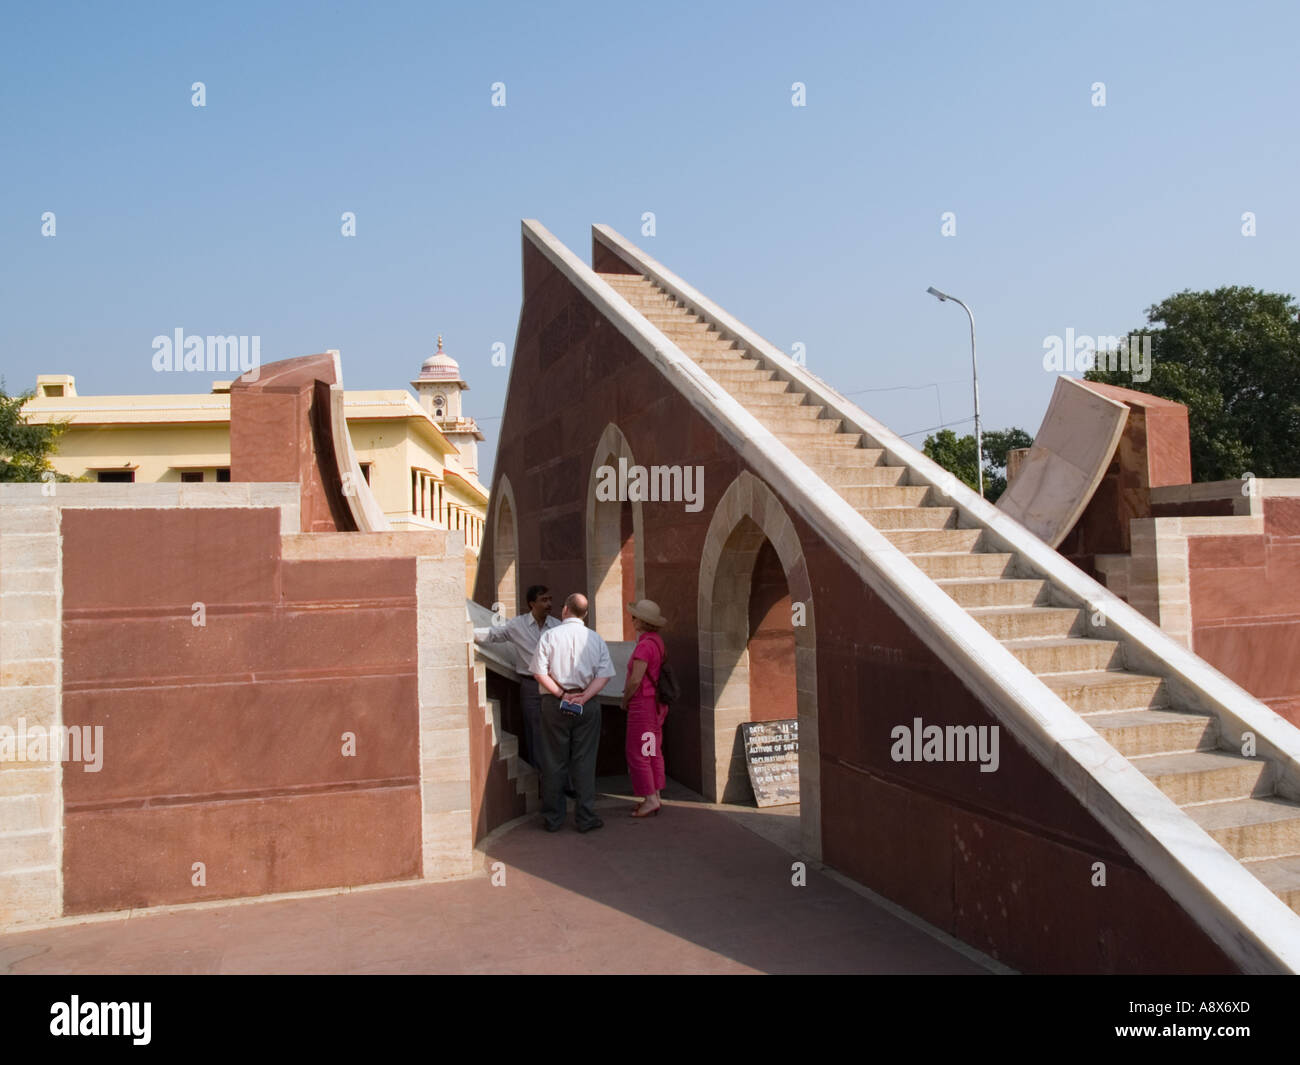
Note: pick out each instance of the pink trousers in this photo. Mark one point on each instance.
(645, 756)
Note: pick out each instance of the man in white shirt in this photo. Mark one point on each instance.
(523, 633)
(572, 665)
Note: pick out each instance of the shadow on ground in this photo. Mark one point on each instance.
(698, 889)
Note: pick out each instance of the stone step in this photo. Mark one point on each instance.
(670, 314)
(1139, 732)
(698, 349)
(716, 361)
(963, 564)
(647, 294)
(783, 408)
(1204, 776)
(637, 288)
(1028, 622)
(979, 592)
(823, 433)
(909, 517)
(629, 286)
(874, 496)
(688, 331)
(1088, 693)
(1067, 654)
(870, 477)
(784, 423)
(1281, 876)
(732, 375)
(838, 465)
(778, 401)
(1251, 828)
(932, 541)
(747, 388)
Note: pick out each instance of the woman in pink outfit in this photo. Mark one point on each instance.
(645, 714)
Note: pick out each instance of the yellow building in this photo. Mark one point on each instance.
(419, 456)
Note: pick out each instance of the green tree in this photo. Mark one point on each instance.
(1232, 356)
(957, 455)
(25, 449)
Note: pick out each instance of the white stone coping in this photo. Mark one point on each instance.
(1247, 496)
(1251, 924)
(1206, 525)
(162, 494)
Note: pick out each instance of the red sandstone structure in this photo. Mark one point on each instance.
(290, 698)
(1214, 564)
(284, 690)
(1123, 830)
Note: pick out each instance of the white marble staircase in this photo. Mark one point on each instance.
(1180, 749)
(505, 743)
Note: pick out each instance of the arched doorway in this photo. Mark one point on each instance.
(757, 633)
(505, 549)
(615, 559)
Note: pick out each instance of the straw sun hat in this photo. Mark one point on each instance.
(648, 611)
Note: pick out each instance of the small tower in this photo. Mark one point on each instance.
(439, 388)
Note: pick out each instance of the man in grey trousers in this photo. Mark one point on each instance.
(572, 665)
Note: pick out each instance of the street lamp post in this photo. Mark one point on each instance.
(975, 377)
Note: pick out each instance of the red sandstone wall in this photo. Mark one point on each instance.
(772, 675)
(1246, 606)
(1002, 860)
(280, 431)
(223, 743)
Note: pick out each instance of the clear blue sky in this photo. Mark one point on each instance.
(818, 225)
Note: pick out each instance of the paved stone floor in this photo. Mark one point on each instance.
(698, 889)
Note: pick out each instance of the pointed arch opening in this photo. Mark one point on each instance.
(615, 543)
(758, 652)
(505, 549)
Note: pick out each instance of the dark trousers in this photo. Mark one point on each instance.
(569, 746)
(530, 696)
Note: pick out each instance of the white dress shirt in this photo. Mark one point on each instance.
(523, 632)
(572, 655)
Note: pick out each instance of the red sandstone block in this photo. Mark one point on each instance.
(338, 580)
(1230, 593)
(148, 651)
(117, 859)
(1282, 517)
(245, 738)
(267, 429)
(120, 559)
(902, 850)
(1283, 576)
(1024, 899)
(1260, 657)
(1225, 552)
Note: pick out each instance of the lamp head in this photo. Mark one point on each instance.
(936, 294)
